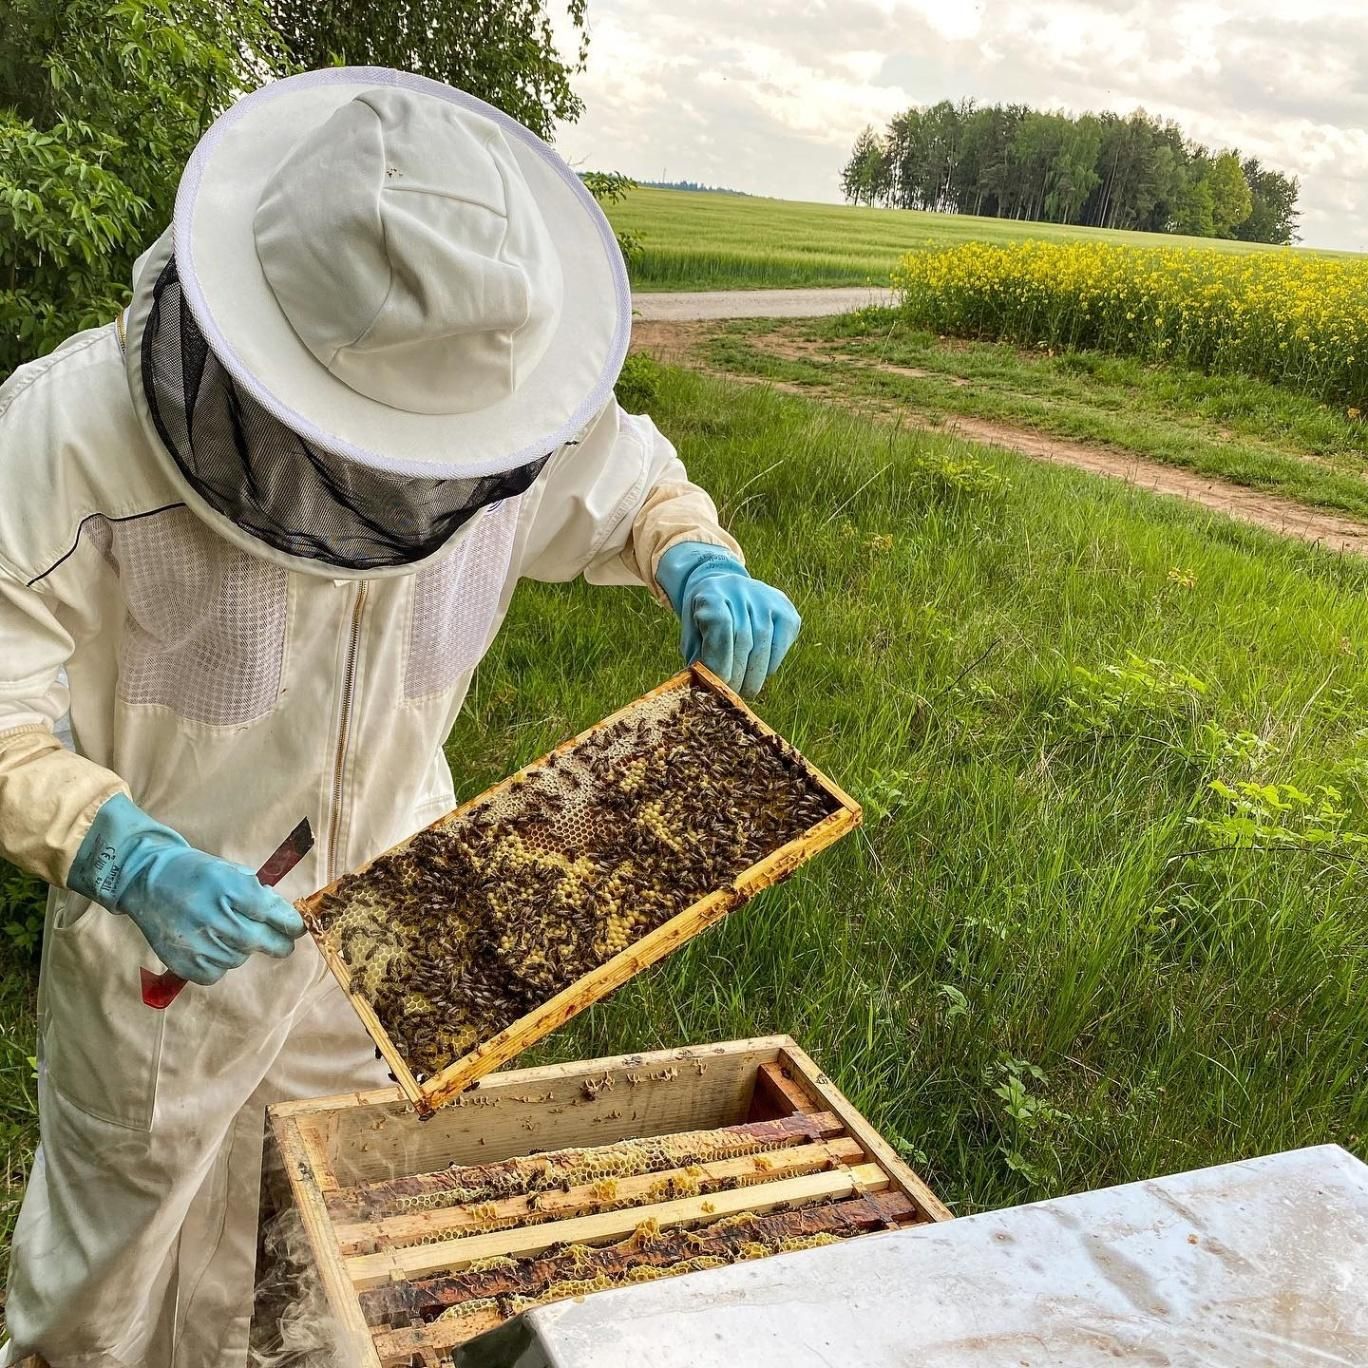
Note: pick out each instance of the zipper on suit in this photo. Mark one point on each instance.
(344, 730)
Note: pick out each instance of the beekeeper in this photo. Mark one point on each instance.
(268, 523)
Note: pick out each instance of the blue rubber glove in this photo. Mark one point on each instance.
(203, 916)
(739, 627)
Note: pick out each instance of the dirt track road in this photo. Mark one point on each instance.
(674, 337)
(689, 305)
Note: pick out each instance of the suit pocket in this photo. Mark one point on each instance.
(101, 1044)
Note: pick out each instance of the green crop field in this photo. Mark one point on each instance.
(694, 241)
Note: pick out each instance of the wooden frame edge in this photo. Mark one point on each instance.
(560, 1008)
(318, 1230)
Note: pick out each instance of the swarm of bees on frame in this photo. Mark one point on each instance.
(476, 921)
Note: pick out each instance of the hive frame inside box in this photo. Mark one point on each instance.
(612, 973)
(321, 1152)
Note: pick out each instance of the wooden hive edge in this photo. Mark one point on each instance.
(764, 1048)
(863, 1163)
(298, 1160)
(857, 1126)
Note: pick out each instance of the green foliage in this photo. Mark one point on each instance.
(1101, 170)
(503, 51)
(1265, 816)
(638, 382)
(1231, 199)
(1273, 217)
(886, 794)
(23, 901)
(65, 217)
(608, 187)
(1028, 1122)
(864, 180)
(102, 103)
(611, 187)
(100, 106)
(1194, 214)
(1126, 696)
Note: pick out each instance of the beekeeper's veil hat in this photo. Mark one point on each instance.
(382, 306)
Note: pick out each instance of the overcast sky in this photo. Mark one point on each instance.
(767, 95)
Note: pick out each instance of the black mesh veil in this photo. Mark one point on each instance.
(288, 493)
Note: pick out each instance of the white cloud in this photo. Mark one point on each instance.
(950, 21)
(767, 95)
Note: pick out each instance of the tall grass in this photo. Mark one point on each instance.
(1295, 319)
(1044, 965)
(696, 241)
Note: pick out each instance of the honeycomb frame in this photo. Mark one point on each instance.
(428, 1091)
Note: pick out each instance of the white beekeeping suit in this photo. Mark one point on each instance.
(255, 537)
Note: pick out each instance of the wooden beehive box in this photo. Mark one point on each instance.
(562, 810)
(553, 1182)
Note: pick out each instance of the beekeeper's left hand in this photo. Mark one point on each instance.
(739, 627)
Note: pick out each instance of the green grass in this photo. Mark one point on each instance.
(709, 241)
(1247, 431)
(21, 900)
(1036, 969)
(1023, 895)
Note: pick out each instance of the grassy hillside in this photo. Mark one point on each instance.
(712, 241)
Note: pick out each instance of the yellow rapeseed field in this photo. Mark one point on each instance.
(1284, 316)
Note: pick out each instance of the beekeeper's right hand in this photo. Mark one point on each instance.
(202, 915)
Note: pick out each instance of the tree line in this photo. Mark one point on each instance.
(1097, 170)
(694, 187)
